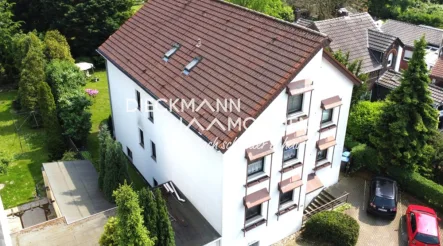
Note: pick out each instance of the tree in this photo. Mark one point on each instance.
(8, 28)
(22, 43)
(360, 92)
(363, 120)
(48, 112)
(150, 212)
(165, 233)
(74, 115)
(116, 169)
(104, 139)
(130, 228)
(276, 8)
(32, 74)
(56, 46)
(408, 119)
(64, 77)
(110, 235)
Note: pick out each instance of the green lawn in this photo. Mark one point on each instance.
(25, 171)
(100, 112)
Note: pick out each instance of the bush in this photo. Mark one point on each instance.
(109, 236)
(363, 156)
(335, 227)
(69, 156)
(363, 119)
(418, 186)
(5, 160)
(350, 142)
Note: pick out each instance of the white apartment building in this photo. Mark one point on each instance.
(250, 181)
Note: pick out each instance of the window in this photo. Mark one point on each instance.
(255, 167)
(286, 197)
(154, 151)
(151, 111)
(191, 65)
(408, 55)
(326, 115)
(142, 139)
(170, 52)
(138, 99)
(289, 153)
(322, 154)
(128, 150)
(295, 103)
(252, 212)
(390, 58)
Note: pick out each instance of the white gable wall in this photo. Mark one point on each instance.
(182, 156)
(328, 82)
(214, 182)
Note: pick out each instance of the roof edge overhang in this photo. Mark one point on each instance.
(321, 45)
(155, 97)
(341, 67)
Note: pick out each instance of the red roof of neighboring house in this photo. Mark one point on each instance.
(245, 55)
(437, 70)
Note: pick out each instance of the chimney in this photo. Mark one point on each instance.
(297, 14)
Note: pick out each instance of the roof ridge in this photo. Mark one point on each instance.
(378, 31)
(271, 17)
(411, 24)
(344, 17)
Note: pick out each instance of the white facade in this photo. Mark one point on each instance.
(215, 182)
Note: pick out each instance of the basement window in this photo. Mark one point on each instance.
(192, 64)
(170, 52)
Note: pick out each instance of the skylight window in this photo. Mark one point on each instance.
(192, 64)
(170, 52)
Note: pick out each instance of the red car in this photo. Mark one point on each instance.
(422, 226)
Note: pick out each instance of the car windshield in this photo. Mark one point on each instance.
(427, 239)
(384, 202)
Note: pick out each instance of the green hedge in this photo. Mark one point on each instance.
(363, 156)
(334, 227)
(418, 186)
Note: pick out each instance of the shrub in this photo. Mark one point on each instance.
(418, 186)
(5, 160)
(56, 46)
(48, 112)
(363, 156)
(363, 119)
(336, 227)
(86, 155)
(350, 142)
(69, 156)
(109, 236)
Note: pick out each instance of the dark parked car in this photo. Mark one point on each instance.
(383, 197)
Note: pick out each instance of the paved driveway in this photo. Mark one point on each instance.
(374, 231)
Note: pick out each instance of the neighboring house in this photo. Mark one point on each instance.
(359, 35)
(250, 180)
(408, 33)
(437, 72)
(391, 80)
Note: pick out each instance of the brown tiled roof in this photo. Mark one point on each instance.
(408, 33)
(246, 55)
(437, 70)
